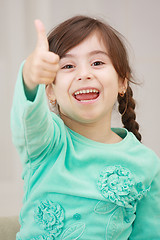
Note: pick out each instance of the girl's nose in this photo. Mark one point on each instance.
(84, 73)
(84, 78)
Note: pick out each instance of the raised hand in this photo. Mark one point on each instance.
(42, 65)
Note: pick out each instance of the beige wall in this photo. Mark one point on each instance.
(137, 20)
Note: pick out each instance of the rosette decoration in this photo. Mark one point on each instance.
(50, 216)
(118, 185)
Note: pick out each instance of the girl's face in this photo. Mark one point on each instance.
(87, 85)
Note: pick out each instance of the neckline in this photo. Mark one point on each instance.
(122, 132)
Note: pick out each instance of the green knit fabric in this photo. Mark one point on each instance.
(76, 188)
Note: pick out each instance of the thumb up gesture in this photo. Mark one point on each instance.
(42, 65)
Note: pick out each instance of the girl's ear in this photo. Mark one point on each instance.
(122, 85)
(53, 106)
(50, 92)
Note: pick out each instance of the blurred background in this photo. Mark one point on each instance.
(137, 20)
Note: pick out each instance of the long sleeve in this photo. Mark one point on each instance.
(32, 125)
(147, 223)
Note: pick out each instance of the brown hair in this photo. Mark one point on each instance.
(73, 31)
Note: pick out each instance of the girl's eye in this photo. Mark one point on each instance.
(97, 63)
(68, 66)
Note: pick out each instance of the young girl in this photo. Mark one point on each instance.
(83, 179)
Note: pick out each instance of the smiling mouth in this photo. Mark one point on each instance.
(85, 95)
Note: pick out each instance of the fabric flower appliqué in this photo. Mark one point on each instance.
(50, 216)
(118, 185)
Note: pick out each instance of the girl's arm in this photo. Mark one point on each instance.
(31, 121)
(147, 223)
(34, 131)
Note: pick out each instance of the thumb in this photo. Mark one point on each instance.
(42, 41)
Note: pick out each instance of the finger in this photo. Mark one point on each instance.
(48, 80)
(42, 41)
(48, 74)
(50, 57)
(50, 67)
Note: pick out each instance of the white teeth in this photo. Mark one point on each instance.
(86, 91)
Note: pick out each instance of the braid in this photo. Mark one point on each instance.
(126, 108)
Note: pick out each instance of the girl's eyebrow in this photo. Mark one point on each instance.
(95, 52)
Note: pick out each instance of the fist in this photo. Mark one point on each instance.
(42, 65)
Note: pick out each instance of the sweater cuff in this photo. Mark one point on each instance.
(25, 94)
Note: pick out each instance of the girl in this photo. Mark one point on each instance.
(83, 180)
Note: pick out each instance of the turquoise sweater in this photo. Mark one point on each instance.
(76, 188)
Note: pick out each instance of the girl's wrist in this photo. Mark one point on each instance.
(30, 88)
